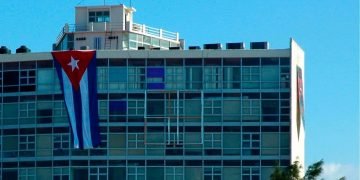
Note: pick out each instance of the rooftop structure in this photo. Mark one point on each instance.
(112, 28)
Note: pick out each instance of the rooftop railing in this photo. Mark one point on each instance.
(106, 26)
(147, 30)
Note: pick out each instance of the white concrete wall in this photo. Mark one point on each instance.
(81, 16)
(117, 17)
(297, 138)
(90, 36)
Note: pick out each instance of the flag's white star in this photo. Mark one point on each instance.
(73, 63)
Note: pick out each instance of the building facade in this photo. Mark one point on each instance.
(206, 114)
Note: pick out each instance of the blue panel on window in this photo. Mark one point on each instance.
(117, 107)
(155, 85)
(155, 72)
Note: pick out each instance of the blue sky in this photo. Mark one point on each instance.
(328, 31)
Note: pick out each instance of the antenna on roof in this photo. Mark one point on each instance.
(80, 2)
(104, 2)
(130, 4)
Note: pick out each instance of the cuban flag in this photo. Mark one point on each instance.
(77, 74)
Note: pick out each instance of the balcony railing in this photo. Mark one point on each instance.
(147, 30)
(106, 26)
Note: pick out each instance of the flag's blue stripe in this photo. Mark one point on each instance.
(93, 104)
(66, 88)
(78, 115)
(84, 86)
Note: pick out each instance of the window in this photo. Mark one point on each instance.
(174, 78)
(155, 135)
(270, 110)
(59, 112)
(10, 146)
(27, 174)
(136, 77)
(97, 43)
(285, 77)
(270, 77)
(231, 78)
(27, 80)
(231, 143)
(27, 146)
(61, 143)
(11, 81)
(155, 107)
(232, 108)
(136, 144)
(9, 174)
(11, 78)
(27, 112)
(155, 173)
(44, 112)
(46, 80)
(155, 77)
(103, 109)
(117, 140)
(173, 106)
(194, 77)
(250, 77)
(212, 173)
(284, 143)
(193, 173)
(193, 106)
(174, 173)
(269, 143)
(232, 173)
(98, 173)
(250, 144)
(10, 113)
(117, 107)
(117, 78)
(213, 77)
(212, 107)
(212, 143)
(117, 173)
(250, 109)
(99, 16)
(155, 42)
(250, 173)
(80, 173)
(61, 173)
(136, 107)
(102, 78)
(136, 173)
(43, 145)
(135, 140)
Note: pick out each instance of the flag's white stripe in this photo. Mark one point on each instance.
(86, 130)
(69, 96)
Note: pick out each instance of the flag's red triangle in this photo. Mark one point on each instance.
(74, 63)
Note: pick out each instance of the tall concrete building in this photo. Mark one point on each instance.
(164, 112)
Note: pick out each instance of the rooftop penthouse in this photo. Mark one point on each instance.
(112, 27)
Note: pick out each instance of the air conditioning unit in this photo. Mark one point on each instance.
(23, 49)
(212, 46)
(174, 48)
(259, 45)
(5, 50)
(194, 47)
(239, 45)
